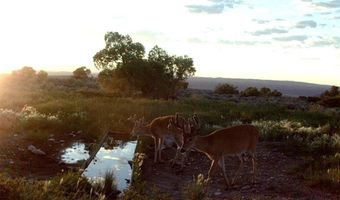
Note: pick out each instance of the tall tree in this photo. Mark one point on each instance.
(158, 75)
(82, 73)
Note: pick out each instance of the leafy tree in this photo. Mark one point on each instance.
(126, 69)
(250, 91)
(24, 74)
(82, 73)
(225, 88)
(42, 76)
(332, 92)
(265, 91)
(275, 93)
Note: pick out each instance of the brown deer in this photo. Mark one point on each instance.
(158, 129)
(237, 140)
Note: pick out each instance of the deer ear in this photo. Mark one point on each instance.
(187, 129)
(196, 120)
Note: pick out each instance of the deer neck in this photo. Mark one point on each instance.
(202, 144)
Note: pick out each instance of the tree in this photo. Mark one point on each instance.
(24, 74)
(250, 91)
(82, 73)
(275, 93)
(264, 91)
(332, 92)
(125, 67)
(42, 76)
(225, 88)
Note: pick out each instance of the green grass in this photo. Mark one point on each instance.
(41, 113)
(323, 172)
(65, 186)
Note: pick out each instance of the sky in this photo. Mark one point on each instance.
(295, 40)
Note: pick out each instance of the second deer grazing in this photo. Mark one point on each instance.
(232, 141)
(158, 129)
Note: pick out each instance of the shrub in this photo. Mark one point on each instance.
(331, 102)
(250, 91)
(197, 189)
(275, 93)
(225, 88)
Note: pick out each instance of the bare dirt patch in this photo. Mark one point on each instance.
(276, 178)
(17, 161)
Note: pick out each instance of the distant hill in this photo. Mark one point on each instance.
(288, 88)
(61, 73)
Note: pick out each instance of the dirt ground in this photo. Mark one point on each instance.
(17, 161)
(276, 178)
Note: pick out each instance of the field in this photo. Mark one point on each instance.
(300, 144)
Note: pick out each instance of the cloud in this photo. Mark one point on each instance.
(243, 42)
(279, 19)
(213, 7)
(300, 38)
(269, 31)
(326, 42)
(305, 24)
(196, 40)
(330, 4)
(260, 21)
(336, 17)
(210, 9)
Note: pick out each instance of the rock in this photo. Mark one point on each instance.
(35, 151)
(51, 139)
(246, 187)
(218, 193)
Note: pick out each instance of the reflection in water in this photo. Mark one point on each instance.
(113, 158)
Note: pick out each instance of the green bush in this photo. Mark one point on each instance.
(250, 91)
(197, 189)
(225, 88)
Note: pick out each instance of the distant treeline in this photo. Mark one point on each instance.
(228, 89)
(329, 98)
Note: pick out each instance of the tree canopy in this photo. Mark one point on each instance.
(82, 73)
(125, 68)
(225, 88)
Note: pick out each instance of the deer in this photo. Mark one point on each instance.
(231, 141)
(158, 129)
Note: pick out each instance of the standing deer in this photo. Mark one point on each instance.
(236, 140)
(158, 129)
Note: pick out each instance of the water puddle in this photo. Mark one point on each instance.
(114, 157)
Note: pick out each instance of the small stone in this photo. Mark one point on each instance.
(246, 187)
(218, 193)
(35, 150)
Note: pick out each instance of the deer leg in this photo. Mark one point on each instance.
(222, 165)
(254, 166)
(183, 158)
(156, 149)
(160, 143)
(212, 167)
(173, 161)
(238, 170)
